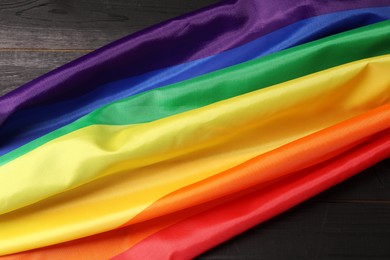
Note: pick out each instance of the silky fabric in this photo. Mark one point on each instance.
(158, 179)
(295, 157)
(217, 28)
(106, 245)
(219, 224)
(346, 98)
(30, 124)
(156, 104)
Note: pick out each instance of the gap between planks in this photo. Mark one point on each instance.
(352, 201)
(45, 50)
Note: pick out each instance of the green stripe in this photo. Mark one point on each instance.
(365, 42)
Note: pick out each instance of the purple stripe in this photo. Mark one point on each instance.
(199, 34)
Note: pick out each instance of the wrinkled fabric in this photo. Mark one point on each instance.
(147, 156)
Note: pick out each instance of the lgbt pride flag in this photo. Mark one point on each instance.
(172, 140)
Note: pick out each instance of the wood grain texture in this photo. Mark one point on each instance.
(349, 221)
(315, 231)
(37, 36)
(81, 24)
(18, 67)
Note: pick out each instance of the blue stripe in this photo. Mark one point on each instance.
(30, 124)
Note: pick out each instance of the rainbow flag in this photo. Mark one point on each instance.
(173, 140)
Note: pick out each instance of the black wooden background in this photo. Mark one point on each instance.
(350, 221)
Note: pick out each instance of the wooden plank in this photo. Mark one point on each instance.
(75, 24)
(315, 230)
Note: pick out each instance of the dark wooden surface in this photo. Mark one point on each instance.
(349, 221)
(39, 35)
